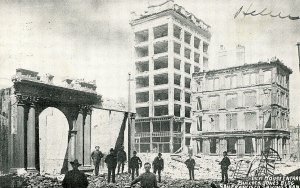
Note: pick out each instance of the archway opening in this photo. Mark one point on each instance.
(53, 141)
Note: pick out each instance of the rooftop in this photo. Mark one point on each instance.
(167, 6)
(273, 62)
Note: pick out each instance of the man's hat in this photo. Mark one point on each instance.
(134, 152)
(111, 149)
(75, 162)
(159, 154)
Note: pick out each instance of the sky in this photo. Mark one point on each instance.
(92, 39)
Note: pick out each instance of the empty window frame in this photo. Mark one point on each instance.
(199, 123)
(177, 109)
(267, 77)
(213, 84)
(187, 68)
(177, 126)
(187, 97)
(187, 112)
(177, 48)
(177, 63)
(250, 120)
(161, 95)
(141, 51)
(177, 31)
(187, 82)
(161, 79)
(142, 81)
(214, 122)
(141, 36)
(196, 57)
(161, 110)
(250, 99)
(231, 122)
(249, 79)
(231, 100)
(142, 112)
(187, 53)
(177, 79)
(142, 66)
(142, 97)
(177, 94)
(214, 102)
(142, 127)
(160, 47)
(187, 37)
(161, 126)
(160, 31)
(188, 127)
(161, 63)
(205, 63)
(196, 42)
(230, 82)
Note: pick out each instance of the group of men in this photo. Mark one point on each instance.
(75, 178)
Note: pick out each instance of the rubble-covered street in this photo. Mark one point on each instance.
(174, 175)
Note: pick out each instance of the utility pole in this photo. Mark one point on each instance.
(298, 144)
(298, 45)
(130, 127)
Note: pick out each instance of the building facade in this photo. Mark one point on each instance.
(242, 109)
(170, 45)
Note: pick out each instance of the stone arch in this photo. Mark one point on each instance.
(31, 97)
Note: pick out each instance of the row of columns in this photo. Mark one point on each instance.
(24, 147)
(276, 143)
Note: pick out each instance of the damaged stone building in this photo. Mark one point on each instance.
(170, 45)
(242, 109)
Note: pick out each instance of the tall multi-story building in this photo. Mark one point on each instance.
(170, 45)
(242, 109)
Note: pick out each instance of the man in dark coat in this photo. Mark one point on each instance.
(111, 162)
(158, 166)
(147, 179)
(96, 157)
(74, 178)
(122, 158)
(134, 164)
(190, 164)
(224, 167)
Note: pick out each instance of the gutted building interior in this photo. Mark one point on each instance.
(168, 51)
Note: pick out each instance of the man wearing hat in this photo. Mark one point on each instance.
(96, 157)
(75, 178)
(158, 165)
(224, 167)
(111, 162)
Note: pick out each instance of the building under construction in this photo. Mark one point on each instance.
(170, 45)
(243, 109)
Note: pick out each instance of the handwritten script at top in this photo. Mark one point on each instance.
(263, 13)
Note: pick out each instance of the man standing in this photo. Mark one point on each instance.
(190, 164)
(96, 157)
(122, 158)
(135, 163)
(75, 178)
(158, 165)
(224, 167)
(147, 179)
(111, 162)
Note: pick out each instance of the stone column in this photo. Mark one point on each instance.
(171, 135)
(19, 137)
(279, 150)
(87, 138)
(31, 152)
(79, 136)
(241, 147)
(71, 147)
